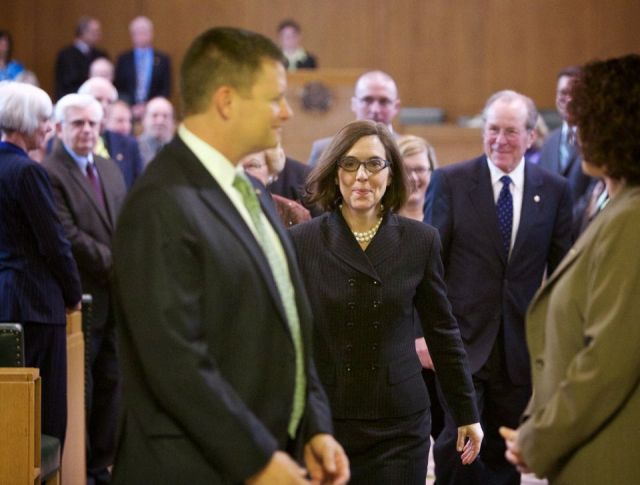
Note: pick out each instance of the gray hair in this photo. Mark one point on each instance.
(22, 107)
(75, 100)
(509, 96)
(92, 82)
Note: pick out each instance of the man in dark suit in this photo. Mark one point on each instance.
(143, 72)
(89, 191)
(122, 149)
(503, 223)
(375, 98)
(72, 63)
(214, 323)
(560, 152)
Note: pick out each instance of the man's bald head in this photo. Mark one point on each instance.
(375, 98)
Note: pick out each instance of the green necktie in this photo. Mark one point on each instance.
(282, 278)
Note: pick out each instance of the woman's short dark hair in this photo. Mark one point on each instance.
(605, 106)
(321, 187)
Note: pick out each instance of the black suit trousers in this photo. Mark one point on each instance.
(500, 403)
(45, 347)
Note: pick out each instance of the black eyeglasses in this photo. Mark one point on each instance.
(371, 165)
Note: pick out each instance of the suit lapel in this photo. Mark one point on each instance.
(386, 242)
(289, 251)
(480, 193)
(533, 198)
(554, 161)
(105, 180)
(79, 178)
(219, 204)
(340, 241)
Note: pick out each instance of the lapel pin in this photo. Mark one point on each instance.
(536, 198)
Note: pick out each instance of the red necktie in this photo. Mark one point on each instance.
(95, 183)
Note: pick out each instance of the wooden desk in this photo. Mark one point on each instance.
(74, 456)
(306, 126)
(19, 425)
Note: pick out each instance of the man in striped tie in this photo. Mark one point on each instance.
(503, 223)
(215, 326)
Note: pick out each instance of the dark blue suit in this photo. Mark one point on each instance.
(124, 151)
(206, 352)
(550, 159)
(125, 76)
(490, 294)
(38, 276)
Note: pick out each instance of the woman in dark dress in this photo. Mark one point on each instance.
(38, 275)
(366, 269)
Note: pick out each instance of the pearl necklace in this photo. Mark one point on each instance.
(367, 236)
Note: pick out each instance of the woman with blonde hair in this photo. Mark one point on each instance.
(419, 159)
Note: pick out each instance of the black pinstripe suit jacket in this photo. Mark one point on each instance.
(38, 275)
(363, 304)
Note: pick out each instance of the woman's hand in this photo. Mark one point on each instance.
(471, 448)
(423, 353)
(513, 454)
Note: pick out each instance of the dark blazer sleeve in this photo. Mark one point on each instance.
(438, 210)
(124, 78)
(562, 237)
(161, 77)
(39, 209)
(445, 343)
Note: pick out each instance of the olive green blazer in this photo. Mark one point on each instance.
(583, 332)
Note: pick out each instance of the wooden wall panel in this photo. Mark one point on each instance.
(447, 53)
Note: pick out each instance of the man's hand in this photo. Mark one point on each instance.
(513, 453)
(280, 469)
(471, 448)
(423, 353)
(326, 460)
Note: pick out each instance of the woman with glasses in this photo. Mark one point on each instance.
(366, 269)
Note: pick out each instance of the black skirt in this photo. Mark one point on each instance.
(386, 451)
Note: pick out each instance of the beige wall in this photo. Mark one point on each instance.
(447, 53)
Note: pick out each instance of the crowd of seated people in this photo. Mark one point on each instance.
(500, 225)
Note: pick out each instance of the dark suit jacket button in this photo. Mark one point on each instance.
(348, 368)
(376, 304)
(375, 325)
(351, 305)
(376, 283)
(352, 282)
(349, 324)
(539, 363)
(374, 367)
(348, 347)
(374, 347)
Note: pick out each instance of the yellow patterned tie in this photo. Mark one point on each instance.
(282, 278)
(101, 148)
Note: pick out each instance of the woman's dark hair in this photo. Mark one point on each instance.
(321, 187)
(605, 106)
(7, 35)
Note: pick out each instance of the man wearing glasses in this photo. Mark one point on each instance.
(375, 99)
